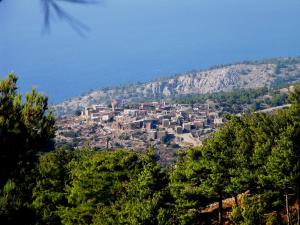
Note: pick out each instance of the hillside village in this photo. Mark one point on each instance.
(122, 118)
(164, 126)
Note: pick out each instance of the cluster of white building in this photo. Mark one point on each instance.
(160, 121)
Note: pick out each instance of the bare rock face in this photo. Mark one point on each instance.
(226, 78)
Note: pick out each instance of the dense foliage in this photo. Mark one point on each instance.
(89, 187)
(26, 128)
(258, 153)
(253, 160)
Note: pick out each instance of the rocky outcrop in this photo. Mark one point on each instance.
(226, 78)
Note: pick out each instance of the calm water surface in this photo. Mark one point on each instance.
(140, 40)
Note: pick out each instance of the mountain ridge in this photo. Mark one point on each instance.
(243, 75)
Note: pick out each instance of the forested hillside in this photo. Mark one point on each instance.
(270, 73)
(238, 101)
(253, 159)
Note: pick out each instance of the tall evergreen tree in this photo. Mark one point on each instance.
(26, 129)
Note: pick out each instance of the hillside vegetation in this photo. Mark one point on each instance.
(238, 101)
(246, 75)
(255, 159)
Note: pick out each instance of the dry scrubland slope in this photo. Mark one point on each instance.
(256, 74)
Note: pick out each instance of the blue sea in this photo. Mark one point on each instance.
(126, 41)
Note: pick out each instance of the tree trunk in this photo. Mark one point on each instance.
(298, 211)
(221, 222)
(236, 200)
(287, 209)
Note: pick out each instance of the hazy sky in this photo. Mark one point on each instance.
(139, 40)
